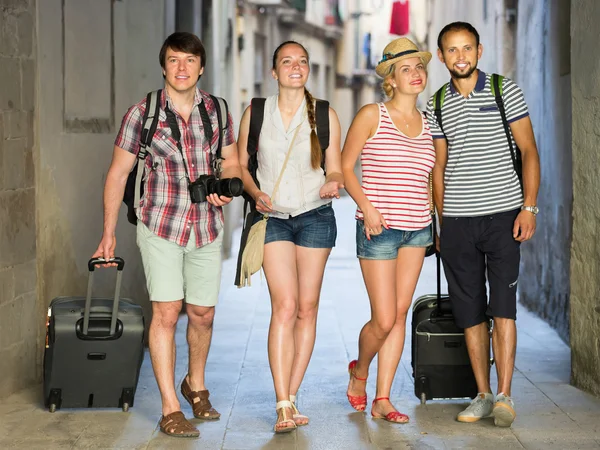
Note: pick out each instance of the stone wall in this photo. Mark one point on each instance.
(543, 72)
(585, 248)
(18, 293)
(100, 57)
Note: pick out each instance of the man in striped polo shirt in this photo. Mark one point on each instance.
(487, 208)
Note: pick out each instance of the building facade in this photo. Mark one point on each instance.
(71, 68)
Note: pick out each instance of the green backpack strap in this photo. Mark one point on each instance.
(496, 84)
(438, 103)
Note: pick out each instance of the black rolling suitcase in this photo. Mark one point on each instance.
(440, 361)
(94, 349)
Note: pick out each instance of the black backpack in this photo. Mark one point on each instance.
(496, 86)
(134, 188)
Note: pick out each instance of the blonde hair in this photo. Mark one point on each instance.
(386, 86)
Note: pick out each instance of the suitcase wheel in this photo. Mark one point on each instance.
(423, 398)
(54, 400)
(126, 399)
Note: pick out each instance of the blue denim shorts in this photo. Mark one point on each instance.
(313, 229)
(386, 244)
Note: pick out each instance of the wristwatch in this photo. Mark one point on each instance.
(532, 209)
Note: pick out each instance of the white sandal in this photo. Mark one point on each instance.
(297, 416)
(282, 405)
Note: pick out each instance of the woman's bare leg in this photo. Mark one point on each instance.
(279, 264)
(408, 269)
(311, 266)
(379, 276)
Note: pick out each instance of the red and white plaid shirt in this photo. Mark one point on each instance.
(166, 208)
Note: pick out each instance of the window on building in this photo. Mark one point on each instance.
(259, 63)
(315, 88)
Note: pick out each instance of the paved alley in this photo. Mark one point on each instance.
(551, 413)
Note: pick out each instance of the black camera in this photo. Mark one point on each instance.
(208, 184)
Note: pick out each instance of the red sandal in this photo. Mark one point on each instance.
(391, 416)
(358, 402)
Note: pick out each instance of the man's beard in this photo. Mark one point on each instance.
(459, 75)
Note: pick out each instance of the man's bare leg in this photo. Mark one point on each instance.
(162, 351)
(199, 335)
(478, 345)
(504, 341)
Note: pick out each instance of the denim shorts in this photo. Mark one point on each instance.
(313, 229)
(386, 244)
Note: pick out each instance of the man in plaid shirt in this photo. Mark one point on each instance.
(180, 241)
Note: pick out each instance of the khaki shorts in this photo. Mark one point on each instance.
(174, 272)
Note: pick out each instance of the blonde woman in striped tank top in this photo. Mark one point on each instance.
(393, 216)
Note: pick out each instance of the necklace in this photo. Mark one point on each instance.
(406, 124)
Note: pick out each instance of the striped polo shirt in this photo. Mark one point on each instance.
(480, 178)
(395, 174)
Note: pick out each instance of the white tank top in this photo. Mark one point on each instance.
(300, 184)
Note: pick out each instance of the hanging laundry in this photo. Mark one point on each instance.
(400, 18)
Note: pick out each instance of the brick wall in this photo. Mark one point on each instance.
(18, 293)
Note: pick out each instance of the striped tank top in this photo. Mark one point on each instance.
(395, 174)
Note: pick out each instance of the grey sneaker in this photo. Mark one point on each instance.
(504, 411)
(480, 408)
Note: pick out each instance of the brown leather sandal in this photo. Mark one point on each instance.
(202, 408)
(176, 425)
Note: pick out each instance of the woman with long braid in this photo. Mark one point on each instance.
(301, 228)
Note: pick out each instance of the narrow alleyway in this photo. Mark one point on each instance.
(551, 413)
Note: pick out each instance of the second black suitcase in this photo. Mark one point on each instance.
(440, 360)
(94, 349)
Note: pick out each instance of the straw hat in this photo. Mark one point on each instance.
(397, 50)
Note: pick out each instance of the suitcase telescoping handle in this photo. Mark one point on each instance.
(438, 263)
(92, 263)
(443, 309)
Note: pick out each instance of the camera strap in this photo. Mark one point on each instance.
(176, 134)
(221, 110)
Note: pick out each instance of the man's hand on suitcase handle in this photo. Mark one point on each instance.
(106, 250)
(117, 261)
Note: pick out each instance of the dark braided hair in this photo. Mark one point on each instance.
(316, 154)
